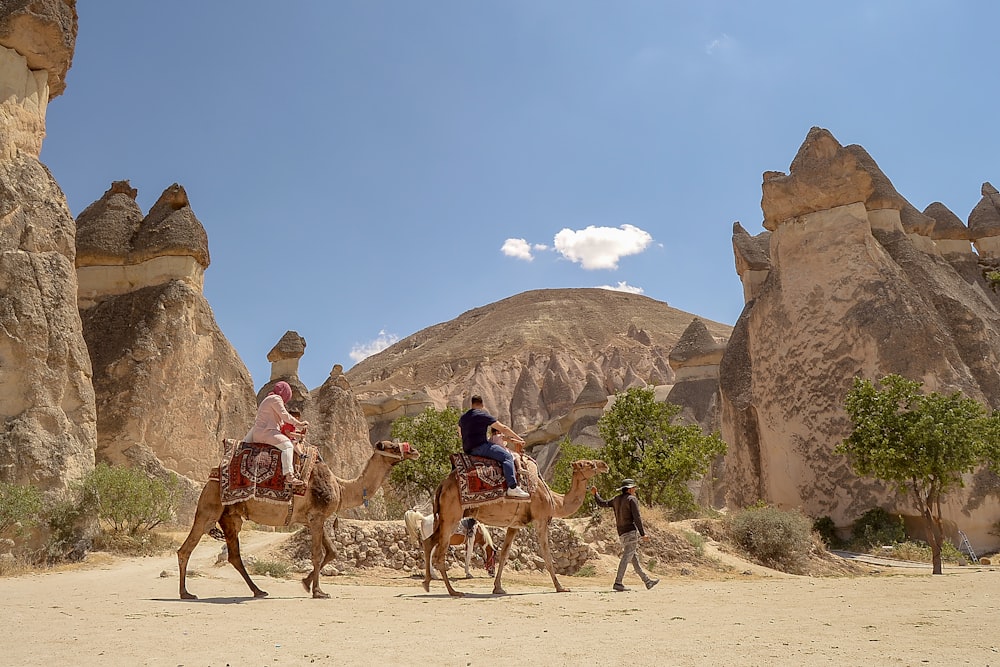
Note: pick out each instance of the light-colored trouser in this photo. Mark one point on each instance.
(278, 440)
(630, 545)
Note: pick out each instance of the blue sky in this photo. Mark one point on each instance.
(367, 169)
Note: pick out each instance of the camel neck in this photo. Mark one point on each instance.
(354, 492)
(566, 505)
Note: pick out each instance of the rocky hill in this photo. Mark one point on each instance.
(545, 361)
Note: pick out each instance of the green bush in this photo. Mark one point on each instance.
(827, 531)
(20, 508)
(920, 552)
(876, 528)
(129, 501)
(67, 519)
(770, 536)
(270, 568)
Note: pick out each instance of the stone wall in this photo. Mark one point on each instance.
(369, 544)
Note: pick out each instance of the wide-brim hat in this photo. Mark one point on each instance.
(628, 484)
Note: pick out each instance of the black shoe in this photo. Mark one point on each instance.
(651, 582)
(621, 588)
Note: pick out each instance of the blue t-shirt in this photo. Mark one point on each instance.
(474, 424)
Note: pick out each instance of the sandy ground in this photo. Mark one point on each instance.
(126, 612)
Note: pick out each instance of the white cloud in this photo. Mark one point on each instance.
(622, 286)
(720, 44)
(364, 350)
(601, 247)
(518, 248)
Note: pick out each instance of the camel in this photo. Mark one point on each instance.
(326, 494)
(469, 532)
(541, 508)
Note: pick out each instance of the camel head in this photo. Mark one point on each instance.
(401, 451)
(587, 469)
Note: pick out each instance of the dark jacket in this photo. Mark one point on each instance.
(626, 508)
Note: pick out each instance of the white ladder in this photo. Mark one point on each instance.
(968, 547)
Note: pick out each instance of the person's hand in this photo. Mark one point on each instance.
(593, 490)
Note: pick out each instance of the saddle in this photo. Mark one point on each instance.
(481, 480)
(252, 471)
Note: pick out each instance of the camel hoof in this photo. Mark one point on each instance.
(307, 583)
(562, 590)
(187, 596)
(260, 594)
(427, 586)
(320, 595)
(499, 591)
(456, 594)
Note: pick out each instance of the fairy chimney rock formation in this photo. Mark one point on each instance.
(337, 425)
(857, 287)
(169, 385)
(984, 224)
(753, 259)
(46, 396)
(950, 235)
(697, 354)
(119, 250)
(285, 355)
(37, 39)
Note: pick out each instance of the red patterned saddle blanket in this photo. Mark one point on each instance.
(481, 481)
(252, 471)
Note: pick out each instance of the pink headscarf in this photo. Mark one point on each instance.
(282, 389)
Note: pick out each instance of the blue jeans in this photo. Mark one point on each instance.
(501, 454)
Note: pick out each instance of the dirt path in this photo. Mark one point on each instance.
(125, 613)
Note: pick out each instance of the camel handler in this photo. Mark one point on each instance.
(473, 426)
(271, 415)
(630, 530)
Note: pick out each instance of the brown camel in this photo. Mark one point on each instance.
(544, 505)
(326, 494)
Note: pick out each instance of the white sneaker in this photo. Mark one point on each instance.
(517, 492)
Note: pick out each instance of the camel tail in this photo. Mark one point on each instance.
(487, 535)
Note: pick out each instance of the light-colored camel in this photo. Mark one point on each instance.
(469, 532)
(326, 494)
(544, 505)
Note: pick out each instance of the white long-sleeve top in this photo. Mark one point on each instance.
(271, 414)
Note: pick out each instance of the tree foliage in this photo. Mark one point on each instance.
(644, 441)
(435, 433)
(920, 443)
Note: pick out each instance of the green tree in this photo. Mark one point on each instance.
(644, 440)
(920, 443)
(562, 471)
(435, 434)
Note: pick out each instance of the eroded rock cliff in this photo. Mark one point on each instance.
(855, 282)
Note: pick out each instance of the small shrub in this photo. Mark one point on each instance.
(696, 540)
(128, 500)
(67, 519)
(921, 552)
(827, 531)
(143, 543)
(20, 508)
(770, 536)
(876, 528)
(270, 568)
(587, 570)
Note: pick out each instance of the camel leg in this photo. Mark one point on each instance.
(469, 546)
(436, 550)
(507, 541)
(205, 517)
(320, 554)
(543, 544)
(231, 524)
